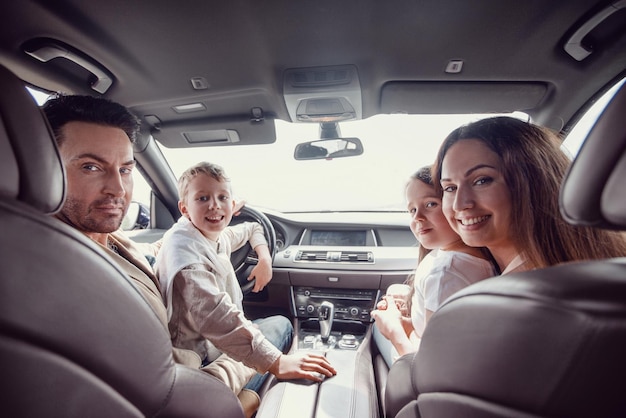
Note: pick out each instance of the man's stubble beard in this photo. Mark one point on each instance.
(79, 216)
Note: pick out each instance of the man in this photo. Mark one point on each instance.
(95, 138)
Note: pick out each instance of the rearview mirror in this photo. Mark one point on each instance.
(328, 149)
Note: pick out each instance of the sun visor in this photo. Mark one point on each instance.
(460, 97)
(216, 133)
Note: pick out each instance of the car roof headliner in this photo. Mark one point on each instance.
(400, 50)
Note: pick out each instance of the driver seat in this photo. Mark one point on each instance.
(76, 337)
(543, 343)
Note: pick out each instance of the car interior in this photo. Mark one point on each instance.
(277, 93)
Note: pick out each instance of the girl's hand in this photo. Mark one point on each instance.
(388, 320)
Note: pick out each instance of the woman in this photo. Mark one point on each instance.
(500, 179)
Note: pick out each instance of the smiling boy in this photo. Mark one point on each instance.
(202, 293)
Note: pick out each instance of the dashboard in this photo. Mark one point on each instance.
(350, 258)
(357, 242)
(367, 244)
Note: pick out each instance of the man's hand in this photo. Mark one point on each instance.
(302, 366)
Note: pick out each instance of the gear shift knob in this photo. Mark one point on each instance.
(325, 316)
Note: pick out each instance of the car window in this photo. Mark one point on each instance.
(39, 96)
(577, 135)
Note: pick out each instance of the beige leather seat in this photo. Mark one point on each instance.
(76, 338)
(545, 343)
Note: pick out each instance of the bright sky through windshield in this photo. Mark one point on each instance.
(268, 176)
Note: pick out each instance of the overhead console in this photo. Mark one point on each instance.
(317, 94)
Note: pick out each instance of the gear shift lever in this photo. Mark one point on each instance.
(325, 316)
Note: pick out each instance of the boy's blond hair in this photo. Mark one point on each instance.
(203, 167)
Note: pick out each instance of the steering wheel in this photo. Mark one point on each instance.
(244, 259)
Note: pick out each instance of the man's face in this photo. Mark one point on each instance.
(99, 163)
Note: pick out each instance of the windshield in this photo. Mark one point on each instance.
(268, 176)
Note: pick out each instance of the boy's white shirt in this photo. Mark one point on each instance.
(194, 248)
(191, 248)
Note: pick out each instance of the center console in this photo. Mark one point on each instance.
(334, 322)
(330, 318)
(352, 305)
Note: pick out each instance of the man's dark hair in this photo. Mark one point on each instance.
(62, 109)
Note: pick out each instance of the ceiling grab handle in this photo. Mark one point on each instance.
(48, 52)
(574, 45)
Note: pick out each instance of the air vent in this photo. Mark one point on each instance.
(336, 256)
(361, 257)
(312, 256)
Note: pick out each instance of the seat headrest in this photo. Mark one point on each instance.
(594, 190)
(31, 169)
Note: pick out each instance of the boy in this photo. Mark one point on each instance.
(202, 294)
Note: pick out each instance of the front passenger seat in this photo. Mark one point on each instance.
(76, 338)
(543, 343)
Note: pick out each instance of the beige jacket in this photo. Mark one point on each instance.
(131, 258)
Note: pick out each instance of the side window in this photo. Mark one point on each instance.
(138, 215)
(39, 96)
(577, 135)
